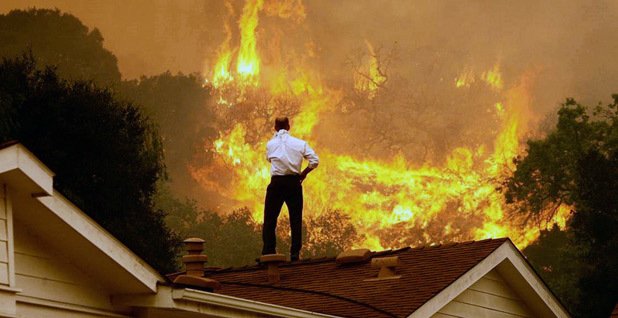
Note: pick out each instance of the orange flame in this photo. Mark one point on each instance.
(222, 74)
(492, 77)
(248, 64)
(371, 79)
(392, 202)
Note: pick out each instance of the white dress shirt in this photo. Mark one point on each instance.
(286, 154)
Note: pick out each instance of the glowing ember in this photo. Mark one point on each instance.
(465, 79)
(492, 77)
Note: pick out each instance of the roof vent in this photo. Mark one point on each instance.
(194, 260)
(194, 265)
(353, 256)
(387, 267)
(272, 261)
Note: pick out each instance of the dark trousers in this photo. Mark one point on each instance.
(282, 189)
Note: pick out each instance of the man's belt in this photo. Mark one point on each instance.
(286, 176)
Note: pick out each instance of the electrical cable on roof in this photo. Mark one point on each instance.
(317, 293)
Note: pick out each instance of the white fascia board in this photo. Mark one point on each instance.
(101, 239)
(202, 297)
(505, 252)
(18, 158)
(533, 281)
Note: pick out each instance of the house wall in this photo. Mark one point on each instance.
(5, 234)
(51, 286)
(7, 279)
(489, 297)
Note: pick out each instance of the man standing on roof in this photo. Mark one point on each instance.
(285, 154)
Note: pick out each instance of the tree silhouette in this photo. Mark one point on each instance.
(61, 40)
(577, 164)
(106, 155)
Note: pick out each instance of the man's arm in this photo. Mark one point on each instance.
(313, 159)
(304, 174)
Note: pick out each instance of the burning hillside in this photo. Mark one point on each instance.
(413, 156)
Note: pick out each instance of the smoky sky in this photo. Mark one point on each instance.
(571, 44)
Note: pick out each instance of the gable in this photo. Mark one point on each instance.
(48, 280)
(490, 296)
(517, 274)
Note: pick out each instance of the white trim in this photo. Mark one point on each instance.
(506, 252)
(18, 157)
(10, 289)
(532, 279)
(7, 314)
(65, 306)
(198, 296)
(7, 298)
(102, 239)
(10, 235)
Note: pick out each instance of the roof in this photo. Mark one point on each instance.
(342, 290)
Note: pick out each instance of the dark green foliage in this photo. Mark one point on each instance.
(59, 39)
(329, 234)
(557, 260)
(595, 227)
(178, 104)
(576, 164)
(106, 155)
(235, 239)
(231, 240)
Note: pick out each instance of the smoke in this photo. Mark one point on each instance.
(149, 37)
(570, 42)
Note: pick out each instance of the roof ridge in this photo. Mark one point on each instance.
(324, 259)
(454, 243)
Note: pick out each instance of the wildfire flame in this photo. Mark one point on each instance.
(222, 75)
(492, 77)
(248, 63)
(371, 79)
(392, 202)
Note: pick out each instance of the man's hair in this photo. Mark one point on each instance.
(282, 123)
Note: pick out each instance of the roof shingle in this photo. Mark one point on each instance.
(324, 286)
